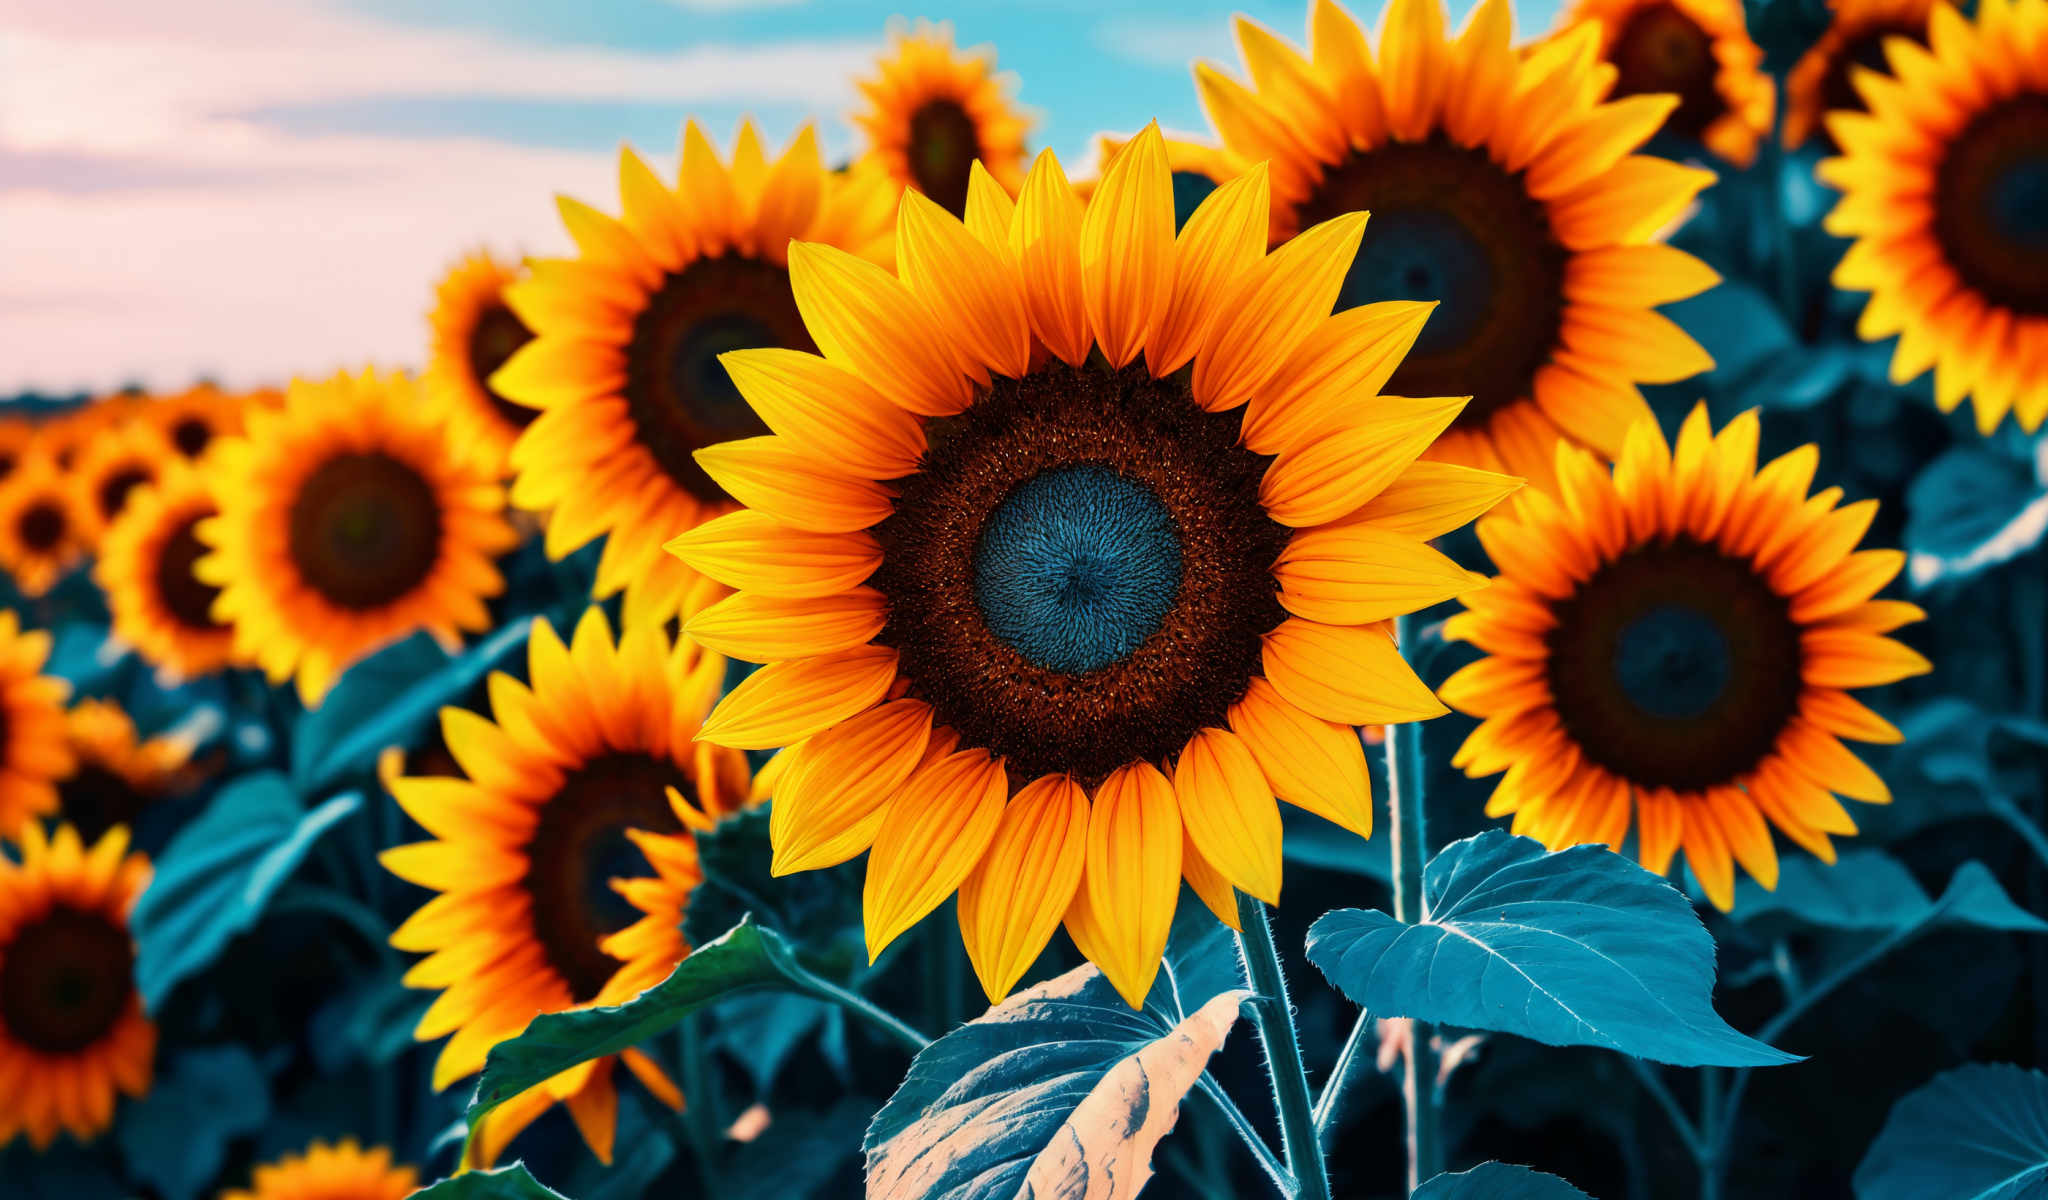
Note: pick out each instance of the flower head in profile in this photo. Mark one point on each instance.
(341, 1170)
(1698, 51)
(146, 560)
(1503, 188)
(1944, 186)
(474, 333)
(1072, 551)
(116, 774)
(1820, 82)
(1671, 648)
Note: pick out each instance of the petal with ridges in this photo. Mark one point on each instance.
(786, 702)
(1012, 902)
(1227, 807)
(1132, 880)
(934, 832)
(1342, 673)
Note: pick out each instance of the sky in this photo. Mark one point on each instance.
(245, 190)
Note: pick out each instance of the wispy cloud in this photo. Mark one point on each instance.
(241, 186)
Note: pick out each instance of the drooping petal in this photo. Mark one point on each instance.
(1014, 900)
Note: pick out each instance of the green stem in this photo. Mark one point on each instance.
(1714, 1123)
(1274, 1016)
(1246, 1133)
(1680, 1123)
(860, 1006)
(1340, 1075)
(1410, 849)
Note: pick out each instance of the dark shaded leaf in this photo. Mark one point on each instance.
(216, 877)
(176, 1137)
(799, 1154)
(1870, 890)
(1581, 947)
(1978, 1132)
(747, 957)
(505, 1183)
(389, 699)
(1053, 1087)
(1498, 1181)
(1970, 510)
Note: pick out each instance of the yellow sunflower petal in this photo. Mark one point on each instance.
(1012, 902)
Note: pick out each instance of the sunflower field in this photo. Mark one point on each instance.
(1475, 630)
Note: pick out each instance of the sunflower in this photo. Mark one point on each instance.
(624, 361)
(1074, 549)
(145, 567)
(342, 1171)
(1697, 50)
(1673, 646)
(349, 519)
(474, 333)
(39, 524)
(933, 111)
(116, 775)
(195, 419)
(589, 775)
(67, 435)
(120, 459)
(1944, 186)
(34, 751)
(1501, 187)
(17, 436)
(72, 1029)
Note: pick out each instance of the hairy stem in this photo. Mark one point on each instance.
(1405, 809)
(1274, 1015)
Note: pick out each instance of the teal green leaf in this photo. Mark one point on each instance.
(1577, 948)
(219, 873)
(176, 1138)
(1968, 511)
(1870, 890)
(505, 1183)
(1979, 1132)
(1053, 1087)
(389, 699)
(1498, 1181)
(746, 958)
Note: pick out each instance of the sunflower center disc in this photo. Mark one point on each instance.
(1991, 204)
(1661, 49)
(115, 489)
(41, 525)
(497, 336)
(943, 144)
(1080, 575)
(580, 845)
(1672, 662)
(190, 436)
(365, 530)
(1449, 225)
(1675, 666)
(678, 394)
(65, 980)
(184, 596)
(95, 799)
(1076, 567)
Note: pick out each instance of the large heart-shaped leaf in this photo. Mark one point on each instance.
(1978, 1132)
(1870, 890)
(1497, 1181)
(219, 873)
(747, 957)
(506, 1183)
(388, 699)
(1577, 948)
(1062, 1090)
(1970, 510)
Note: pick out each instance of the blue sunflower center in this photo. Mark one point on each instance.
(1675, 665)
(1991, 204)
(1077, 567)
(1673, 662)
(1449, 225)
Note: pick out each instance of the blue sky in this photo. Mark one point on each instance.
(251, 189)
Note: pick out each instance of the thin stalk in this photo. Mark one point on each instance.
(1410, 848)
(1246, 1133)
(860, 1006)
(1274, 1015)
(1673, 1111)
(1332, 1094)
(1714, 1123)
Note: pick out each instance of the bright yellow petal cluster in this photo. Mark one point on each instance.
(873, 766)
(339, 1171)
